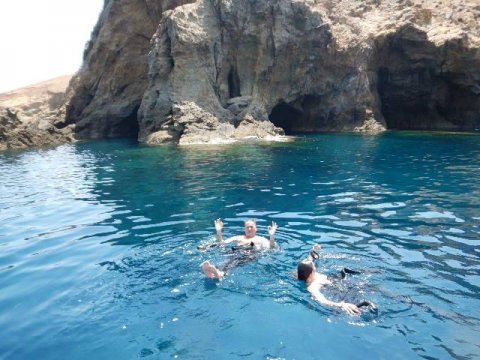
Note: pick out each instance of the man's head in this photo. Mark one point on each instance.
(305, 269)
(250, 228)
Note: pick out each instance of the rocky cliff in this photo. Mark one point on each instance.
(230, 68)
(106, 93)
(28, 116)
(219, 70)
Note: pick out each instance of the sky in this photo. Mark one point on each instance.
(40, 40)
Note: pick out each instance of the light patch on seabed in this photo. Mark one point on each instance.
(454, 264)
(463, 240)
(409, 255)
(235, 205)
(181, 215)
(293, 215)
(436, 215)
(256, 213)
(296, 223)
(383, 206)
(327, 217)
(350, 193)
(349, 214)
(388, 213)
(137, 219)
(345, 200)
(454, 231)
(393, 232)
(207, 198)
(163, 224)
(472, 279)
(310, 233)
(425, 238)
(351, 223)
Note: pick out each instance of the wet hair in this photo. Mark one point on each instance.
(252, 220)
(304, 269)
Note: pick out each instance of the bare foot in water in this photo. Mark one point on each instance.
(211, 271)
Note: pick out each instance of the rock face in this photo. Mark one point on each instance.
(106, 93)
(210, 71)
(33, 115)
(309, 66)
(429, 82)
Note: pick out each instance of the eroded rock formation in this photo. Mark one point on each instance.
(107, 91)
(30, 116)
(312, 66)
(219, 70)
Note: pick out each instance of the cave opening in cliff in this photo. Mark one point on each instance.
(422, 99)
(233, 83)
(128, 126)
(406, 99)
(425, 87)
(285, 116)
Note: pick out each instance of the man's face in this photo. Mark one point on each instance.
(250, 229)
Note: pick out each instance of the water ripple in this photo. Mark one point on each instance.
(99, 252)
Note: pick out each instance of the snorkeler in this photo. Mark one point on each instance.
(306, 271)
(245, 247)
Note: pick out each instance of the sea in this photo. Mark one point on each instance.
(101, 244)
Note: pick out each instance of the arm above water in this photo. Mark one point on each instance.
(271, 231)
(218, 229)
(349, 308)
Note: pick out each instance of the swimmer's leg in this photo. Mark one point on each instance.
(346, 271)
(236, 260)
(369, 305)
(211, 271)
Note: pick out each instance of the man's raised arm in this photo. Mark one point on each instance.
(271, 231)
(218, 228)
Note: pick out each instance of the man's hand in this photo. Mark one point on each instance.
(218, 225)
(316, 247)
(272, 228)
(350, 309)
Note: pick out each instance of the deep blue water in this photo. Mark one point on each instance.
(99, 258)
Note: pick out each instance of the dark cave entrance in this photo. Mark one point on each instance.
(422, 98)
(405, 97)
(286, 117)
(233, 83)
(120, 126)
(303, 115)
(417, 88)
(129, 126)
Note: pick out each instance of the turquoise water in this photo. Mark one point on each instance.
(99, 258)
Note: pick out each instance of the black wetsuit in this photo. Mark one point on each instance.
(342, 275)
(239, 255)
